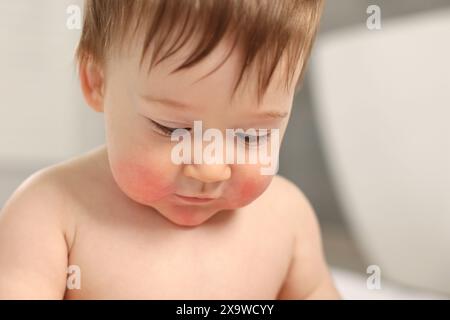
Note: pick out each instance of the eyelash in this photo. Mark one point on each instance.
(167, 132)
(251, 140)
(163, 130)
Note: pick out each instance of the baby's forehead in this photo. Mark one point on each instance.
(216, 73)
(215, 92)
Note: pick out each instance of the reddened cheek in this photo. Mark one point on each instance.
(249, 188)
(143, 184)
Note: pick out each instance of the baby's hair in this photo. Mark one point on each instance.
(264, 30)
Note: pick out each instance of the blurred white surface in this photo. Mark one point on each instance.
(353, 286)
(42, 114)
(383, 106)
(43, 117)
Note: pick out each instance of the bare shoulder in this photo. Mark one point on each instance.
(38, 228)
(308, 276)
(287, 208)
(289, 200)
(289, 190)
(35, 235)
(42, 198)
(300, 215)
(35, 195)
(48, 196)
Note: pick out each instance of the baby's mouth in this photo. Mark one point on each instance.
(194, 199)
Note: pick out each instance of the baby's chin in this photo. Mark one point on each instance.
(189, 216)
(179, 214)
(196, 215)
(189, 219)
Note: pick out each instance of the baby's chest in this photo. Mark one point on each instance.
(236, 265)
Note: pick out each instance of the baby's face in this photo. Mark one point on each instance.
(139, 124)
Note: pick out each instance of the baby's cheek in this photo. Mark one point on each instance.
(249, 188)
(143, 184)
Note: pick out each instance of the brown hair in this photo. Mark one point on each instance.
(264, 30)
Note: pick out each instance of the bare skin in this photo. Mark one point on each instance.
(230, 256)
(112, 212)
(126, 250)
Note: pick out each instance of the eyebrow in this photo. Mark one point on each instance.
(272, 114)
(168, 102)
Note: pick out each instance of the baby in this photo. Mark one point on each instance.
(128, 220)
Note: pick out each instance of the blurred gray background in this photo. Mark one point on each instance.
(303, 160)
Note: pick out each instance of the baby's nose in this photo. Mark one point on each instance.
(208, 173)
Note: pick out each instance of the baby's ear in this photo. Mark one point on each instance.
(92, 84)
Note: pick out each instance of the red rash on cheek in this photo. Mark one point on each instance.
(250, 189)
(143, 184)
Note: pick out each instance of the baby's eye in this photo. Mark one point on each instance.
(253, 140)
(163, 130)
